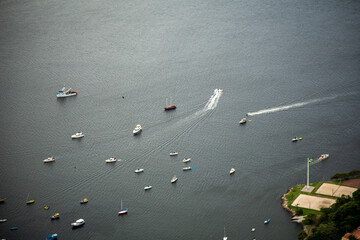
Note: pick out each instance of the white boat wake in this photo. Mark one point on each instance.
(214, 99)
(286, 107)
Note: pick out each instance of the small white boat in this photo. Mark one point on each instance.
(3, 220)
(295, 139)
(137, 129)
(324, 156)
(147, 187)
(77, 135)
(186, 168)
(253, 229)
(242, 121)
(232, 170)
(66, 93)
(122, 210)
(110, 160)
(267, 221)
(186, 160)
(139, 170)
(78, 223)
(174, 153)
(49, 159)
(174, 179)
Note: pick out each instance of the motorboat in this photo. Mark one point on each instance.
(84, 201)
(295, 139)
(66, 93)
(186, 168)
(253, 229)
(49, 159)
(123, 210)
(77, 135)
(186, 160)
(174, 179)
(232, 170)
(52, 236)
(30, 202)
(324, 156)
(46, 207)
(267, 221)
(55, 216)
(78, 223)
(110, 160)
(242, 121)
(139, 170)
(137, 129)
(14, 228)
(174, 153)
(169, 106)
(3, 220)
(147, 187)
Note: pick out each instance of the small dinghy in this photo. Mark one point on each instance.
(52, 236)
(77, 135)
(232, 170)
(110, 160)
(174, 153)
(139, 170)
(148, 187)
(242, 121)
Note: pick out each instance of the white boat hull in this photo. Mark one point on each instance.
(66, 95)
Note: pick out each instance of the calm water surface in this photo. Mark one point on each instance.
(261, 54)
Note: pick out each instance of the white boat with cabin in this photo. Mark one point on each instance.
(324, 156)
(49, 159)
(232, 170)
(110, 160)
(174, 153)
(139, 170)
(148, 187)
(242, 121)
(174, 179)
(78, 223)
(186, 160)
(137, 129)
(77, 135)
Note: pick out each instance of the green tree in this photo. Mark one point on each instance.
(301, 235)
(325, 231)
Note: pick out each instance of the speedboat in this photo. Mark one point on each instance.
(174, 179)
(3, 220)
(137, 129)
(147, 187)
(186, 160)
(52, 236)
(232, 170)
(55, 216)
(49, 159)
(324, 156)
(77, 135)
(242, 121)
(123, 210)
(295, 139)
(78, 223)
(66, 93)
(267, 221)
(186, 168)
(84, 201)
(112, 159)
(174, 153)
(139, 170)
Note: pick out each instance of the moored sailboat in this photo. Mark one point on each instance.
(122, 210)
(169, 106)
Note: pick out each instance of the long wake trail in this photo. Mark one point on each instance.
(286, 107)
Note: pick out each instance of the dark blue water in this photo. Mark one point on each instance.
(261, 54)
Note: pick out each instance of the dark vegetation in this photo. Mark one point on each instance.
(345, 176)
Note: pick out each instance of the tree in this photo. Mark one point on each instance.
(325, 231)
(301, 235)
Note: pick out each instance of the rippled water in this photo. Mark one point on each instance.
(293, 65)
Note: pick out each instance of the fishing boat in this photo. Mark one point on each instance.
(232, 170)
(139, 170)
(148, 187)
(84, 201)
(77, 135)
(174, 153)
(110, 160)
(242, 121)
(225, 237)
(187, 168)
(55, 216)
(137, 129)
(78, 223)
(324, 156)
(295, 139)
(29, 201)
(169, 106)
(49, 159)
(52, 236)
(122, 211)
(3, 220)
(66, 93)
(267, 221)
(174, 179)
(186, 160)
